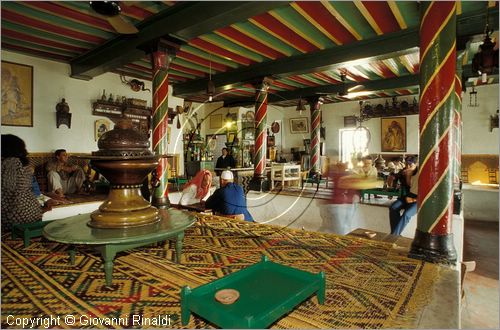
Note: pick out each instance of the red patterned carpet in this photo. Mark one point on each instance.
(368, 285)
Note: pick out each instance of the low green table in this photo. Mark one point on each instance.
(267, 292)
(109, 241)
(379, 191)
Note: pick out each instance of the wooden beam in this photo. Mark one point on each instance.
(323, 60)
(385, 46)
(178, 23)
(304, 93)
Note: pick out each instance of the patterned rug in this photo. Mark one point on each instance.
(368, 284)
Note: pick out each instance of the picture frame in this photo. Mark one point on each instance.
(299, 125)
(101, 126)
(231, 137)
(17, 94)
(393, 134)
(215, 121)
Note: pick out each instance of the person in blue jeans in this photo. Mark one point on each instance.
(407, 204)
(229, 199)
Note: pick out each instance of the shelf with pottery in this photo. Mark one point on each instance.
(134, 109)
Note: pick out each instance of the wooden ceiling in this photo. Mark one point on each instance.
(303, 46)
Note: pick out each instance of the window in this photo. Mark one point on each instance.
(353, 143)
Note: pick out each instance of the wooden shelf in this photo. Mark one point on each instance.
(140, 116)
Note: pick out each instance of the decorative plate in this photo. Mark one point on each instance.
(250, 115)
(227, 296)
(275, 127)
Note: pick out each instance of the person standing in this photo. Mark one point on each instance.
(229, 199)
(225, 160)
(64, 178)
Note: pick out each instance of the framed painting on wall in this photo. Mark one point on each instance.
(393, 134)
(101, 126)
(17, 94)
(215, 121)
(299, 125)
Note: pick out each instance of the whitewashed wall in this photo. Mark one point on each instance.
(51, 83)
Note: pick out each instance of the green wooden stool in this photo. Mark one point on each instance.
(28, 230)
(267, 291)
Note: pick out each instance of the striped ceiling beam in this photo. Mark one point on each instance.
(39, 47)
(382, 15)
(140, 68)
(19, 19)
(301, 27)
(34, 52)
(204, 71)
(231, 47)
(325, 77)
(134, 11)
(325, 60)
(59, 21)
(313, 78)
(187, 70)
(302, 81)
(386, 71)
(334, 12)
(75, 16)
(41, 41)
(397, 14)
(395, 66)
(208, 56)
(274, 27)
(321, 18)
(282, 85)
(208, 47)
(244, 40)
(254, 32)
(45, 35)
(181, 22)
(201, 61)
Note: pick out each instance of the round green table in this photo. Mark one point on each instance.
(109, 241)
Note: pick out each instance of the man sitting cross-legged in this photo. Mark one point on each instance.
(63, 178)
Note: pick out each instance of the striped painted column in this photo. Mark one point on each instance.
(160, 60)
(433, 239)
(315, 104)
(457, 127)
(260, 129)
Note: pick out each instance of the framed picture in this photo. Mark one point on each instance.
(299, 125)
(17, 94)
(393, 134)
(231, 137)
(215, 121)
(101, 126)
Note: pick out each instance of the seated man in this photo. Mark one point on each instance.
(63, 178)
(407, 204)
(229, 199)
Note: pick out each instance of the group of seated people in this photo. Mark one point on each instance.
(22, 200)
(228, 200)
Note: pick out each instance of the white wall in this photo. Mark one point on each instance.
(51, 83)
(477, 138)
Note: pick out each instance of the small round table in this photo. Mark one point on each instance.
(75, 230)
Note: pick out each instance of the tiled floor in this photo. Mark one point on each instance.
(480, 306)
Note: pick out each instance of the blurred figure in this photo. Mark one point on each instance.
(367, 170)
(197, 188)
(229, 199)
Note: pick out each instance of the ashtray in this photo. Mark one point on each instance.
(227, 296)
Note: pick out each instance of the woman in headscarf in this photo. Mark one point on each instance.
(197, 189)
